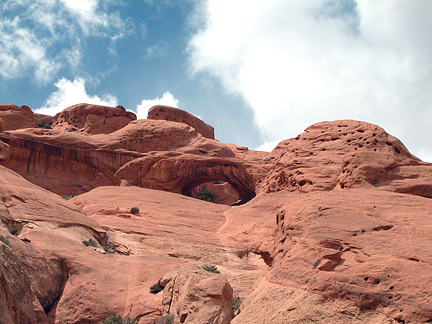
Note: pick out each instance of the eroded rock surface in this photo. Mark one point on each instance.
(196, 295)
(18, 302)
(92, 119)
(181, 116)
(345, 154)
(181, 173)
(333, 226)
(15, 117)
(70, 162)
(4, 151)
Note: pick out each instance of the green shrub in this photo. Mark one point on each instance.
(90, 242)
(236, 303)
(108, 249)
(5, 240)
(44, 124)
(210, 268)
(156, 288)
(206, 194)
(134, 210)
(166, 320)
(117, 319)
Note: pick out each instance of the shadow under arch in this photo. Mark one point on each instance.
(244, 195)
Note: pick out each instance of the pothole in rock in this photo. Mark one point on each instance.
(219, 192)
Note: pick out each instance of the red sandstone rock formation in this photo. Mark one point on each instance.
(197, 294)
(72, 163)
(91, 119)
(18, 302)
(4, 151)
(180, 116)
(14, 117)
(337, 229)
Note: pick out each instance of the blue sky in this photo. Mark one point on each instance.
(258, 71)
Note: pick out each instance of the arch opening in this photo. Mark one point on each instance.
(218, 191)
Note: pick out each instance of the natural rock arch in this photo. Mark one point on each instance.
(182, 172)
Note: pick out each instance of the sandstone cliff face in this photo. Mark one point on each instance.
(71, 159)
(332, 226)
(18, 302)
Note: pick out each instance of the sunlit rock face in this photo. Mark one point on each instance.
(15, 117)
(92, 119)
(331, 226)
(180, 116)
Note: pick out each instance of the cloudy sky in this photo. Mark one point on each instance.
(258, 71)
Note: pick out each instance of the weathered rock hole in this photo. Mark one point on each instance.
(383, 228)
(219, 192)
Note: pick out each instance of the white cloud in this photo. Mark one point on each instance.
(46, 35)
(70, 93)
(267, 146)
(160, 49)
(300, 62)
(20, 50)
(166, 100)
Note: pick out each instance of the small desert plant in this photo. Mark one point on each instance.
(89, 242)
(44, 124)
(117, 319)
(210, 268)
(206, 194)
(134, 210)
(5, 240)
(316, 263)
(236, 303)
(166, 320)
(156, 288)
(108, 249)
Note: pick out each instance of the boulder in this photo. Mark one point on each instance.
(197, 294)
(180, 116)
